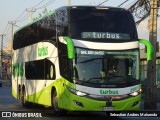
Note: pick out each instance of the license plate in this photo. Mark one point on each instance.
(108, 109)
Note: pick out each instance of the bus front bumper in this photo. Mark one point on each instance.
(78, 103)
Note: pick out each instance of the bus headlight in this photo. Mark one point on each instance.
(79, 93)
(135, 93)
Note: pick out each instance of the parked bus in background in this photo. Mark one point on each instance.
(79, 58)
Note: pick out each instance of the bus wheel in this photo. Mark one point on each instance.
(55, 101)
(57, 111)
(23, 97)
(23, 100)
(19, 93)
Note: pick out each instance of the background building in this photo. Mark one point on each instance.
(6, 62)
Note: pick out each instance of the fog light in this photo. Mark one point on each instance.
(134, 94)
(78, 104)
(135, 103)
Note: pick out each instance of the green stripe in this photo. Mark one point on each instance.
(70, 47)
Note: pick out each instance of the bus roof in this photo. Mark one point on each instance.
(71, 7)
(91, 7)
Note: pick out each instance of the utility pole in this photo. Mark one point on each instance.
(30, 10)
(1, 70)
(69, 2)
(13, 23)
(150, 101)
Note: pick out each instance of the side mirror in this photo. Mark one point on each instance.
(150, 48)
(70, 47)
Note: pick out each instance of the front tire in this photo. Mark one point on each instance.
(55, 102)
(57, 110)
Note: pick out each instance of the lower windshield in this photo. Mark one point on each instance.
(109, 67)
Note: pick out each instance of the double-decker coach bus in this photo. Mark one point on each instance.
(83, 58)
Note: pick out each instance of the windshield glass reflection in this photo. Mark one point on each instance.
(106, 67)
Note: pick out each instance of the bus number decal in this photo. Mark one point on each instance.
(92, 52)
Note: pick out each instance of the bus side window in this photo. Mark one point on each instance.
(34, 70)
(64, 62)
(49, 70)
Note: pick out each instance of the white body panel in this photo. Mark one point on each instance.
(103, 46)
(30, 53)
(111, 91)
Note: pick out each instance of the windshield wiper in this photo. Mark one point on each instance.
(127, 81)
(95, 78)
(89, 60)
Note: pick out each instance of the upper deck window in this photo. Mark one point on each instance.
(92, 23)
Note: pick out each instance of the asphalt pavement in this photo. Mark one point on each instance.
(129, 115)
(9, 84)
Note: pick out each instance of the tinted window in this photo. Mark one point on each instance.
(62, 23)
(99, 22)
(44, 29)
(40, 69)
(106, 67)
(64, 62)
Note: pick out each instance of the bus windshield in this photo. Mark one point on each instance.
(106, 67)
(102, 24)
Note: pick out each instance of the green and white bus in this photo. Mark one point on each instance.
(79, 58)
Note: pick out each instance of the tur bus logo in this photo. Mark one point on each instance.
(108, 92)
(105, 35)
(17, 70)
(42, 51)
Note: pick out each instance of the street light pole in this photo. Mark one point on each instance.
(150, 101)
